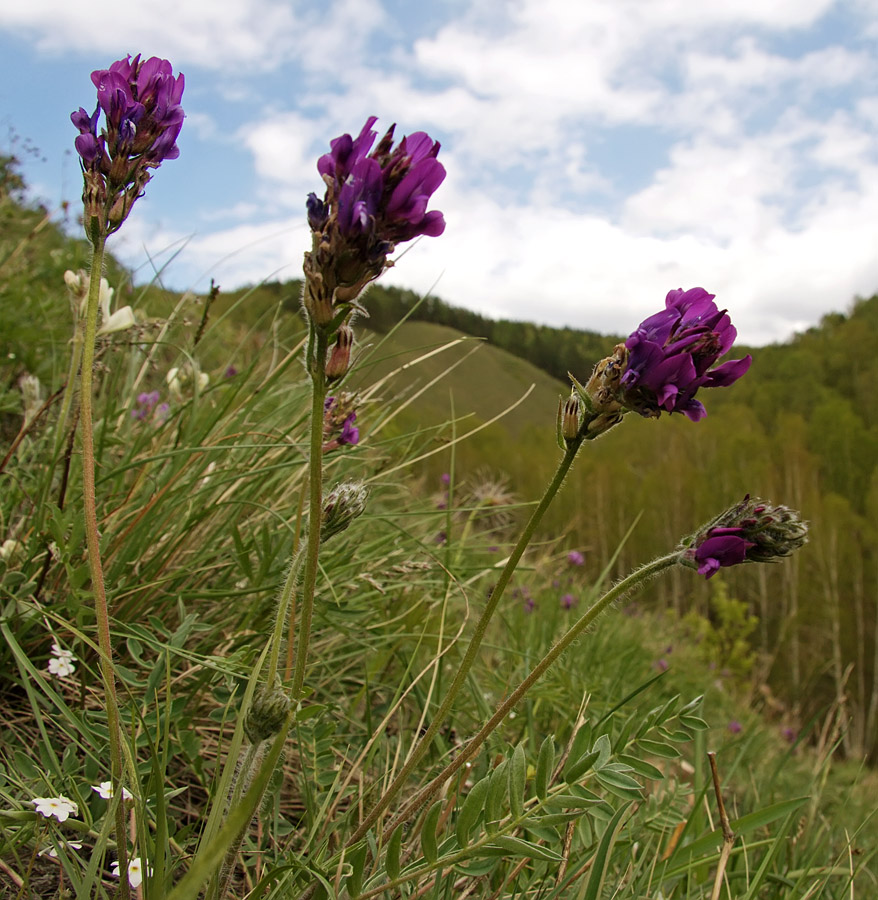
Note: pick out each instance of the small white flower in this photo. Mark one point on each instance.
(61, 653)
(61, 666)
(60, 807)
(105, 790)
(53, 851)
(8, 549)
(203, 380)
(136, 871)
(73, 280)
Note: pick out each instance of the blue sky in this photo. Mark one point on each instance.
(599, 153)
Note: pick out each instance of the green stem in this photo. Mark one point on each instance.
(92, 537)
(635, 580)
(473, 647)
(317, 346)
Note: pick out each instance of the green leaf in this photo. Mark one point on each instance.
(694, 723)
(601, 862)
(428, 832)
(658, 748)
(648, 770)
(517, 781)
(573, 801)
(496, 796)
(471, 810)
(605, 749)
(575, 771)
(545, 764)
(518, 847)
(622, 785)
(391, 855)
(357, 859)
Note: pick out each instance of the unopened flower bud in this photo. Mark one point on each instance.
(340, 357)
(267, 714)
(751, 531)
(570, 418)
(343, 504)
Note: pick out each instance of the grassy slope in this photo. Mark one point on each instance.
(475, 377)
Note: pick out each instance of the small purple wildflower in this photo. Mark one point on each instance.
(145, 404)
(529, 604)
(230, 372)
(735, 726)
(162, 411)
(789, 734)
(445, 478)
(140, 102)
(575, 558)
(568, 601)
(350, 434)
(338, 422)
(750, 531)
(661, 665)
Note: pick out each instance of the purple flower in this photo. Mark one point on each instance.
(789, 734)
(338, 422)
(735, 726)
(670, 354)
(140, 102)
(230, 372)
(661, 665)
(568, 601)
(445, 478)
(350, 434)
(575, 558)
(750, 531)
(376, 197)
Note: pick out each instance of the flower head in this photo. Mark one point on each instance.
(62, 662)
(575, 558)
(667, 359)
(375, 199)
(60, 807)
(750, 531)
(136, 871)
(140, 102)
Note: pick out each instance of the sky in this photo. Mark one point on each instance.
(599, 152)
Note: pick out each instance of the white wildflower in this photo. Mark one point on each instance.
(61, 666)
(136, 871)
(60, 807)
(105, 790)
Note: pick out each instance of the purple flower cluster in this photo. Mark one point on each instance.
(750, 531)
(338, 422)
(142, 119)
(375, 199)
(148, 406)
(669, 356)
(385, 191)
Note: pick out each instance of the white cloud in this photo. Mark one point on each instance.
(213, 34)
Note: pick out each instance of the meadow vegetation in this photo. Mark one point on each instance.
(251, 760)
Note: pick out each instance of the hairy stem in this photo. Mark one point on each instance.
(316, 369)
(92, 537)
